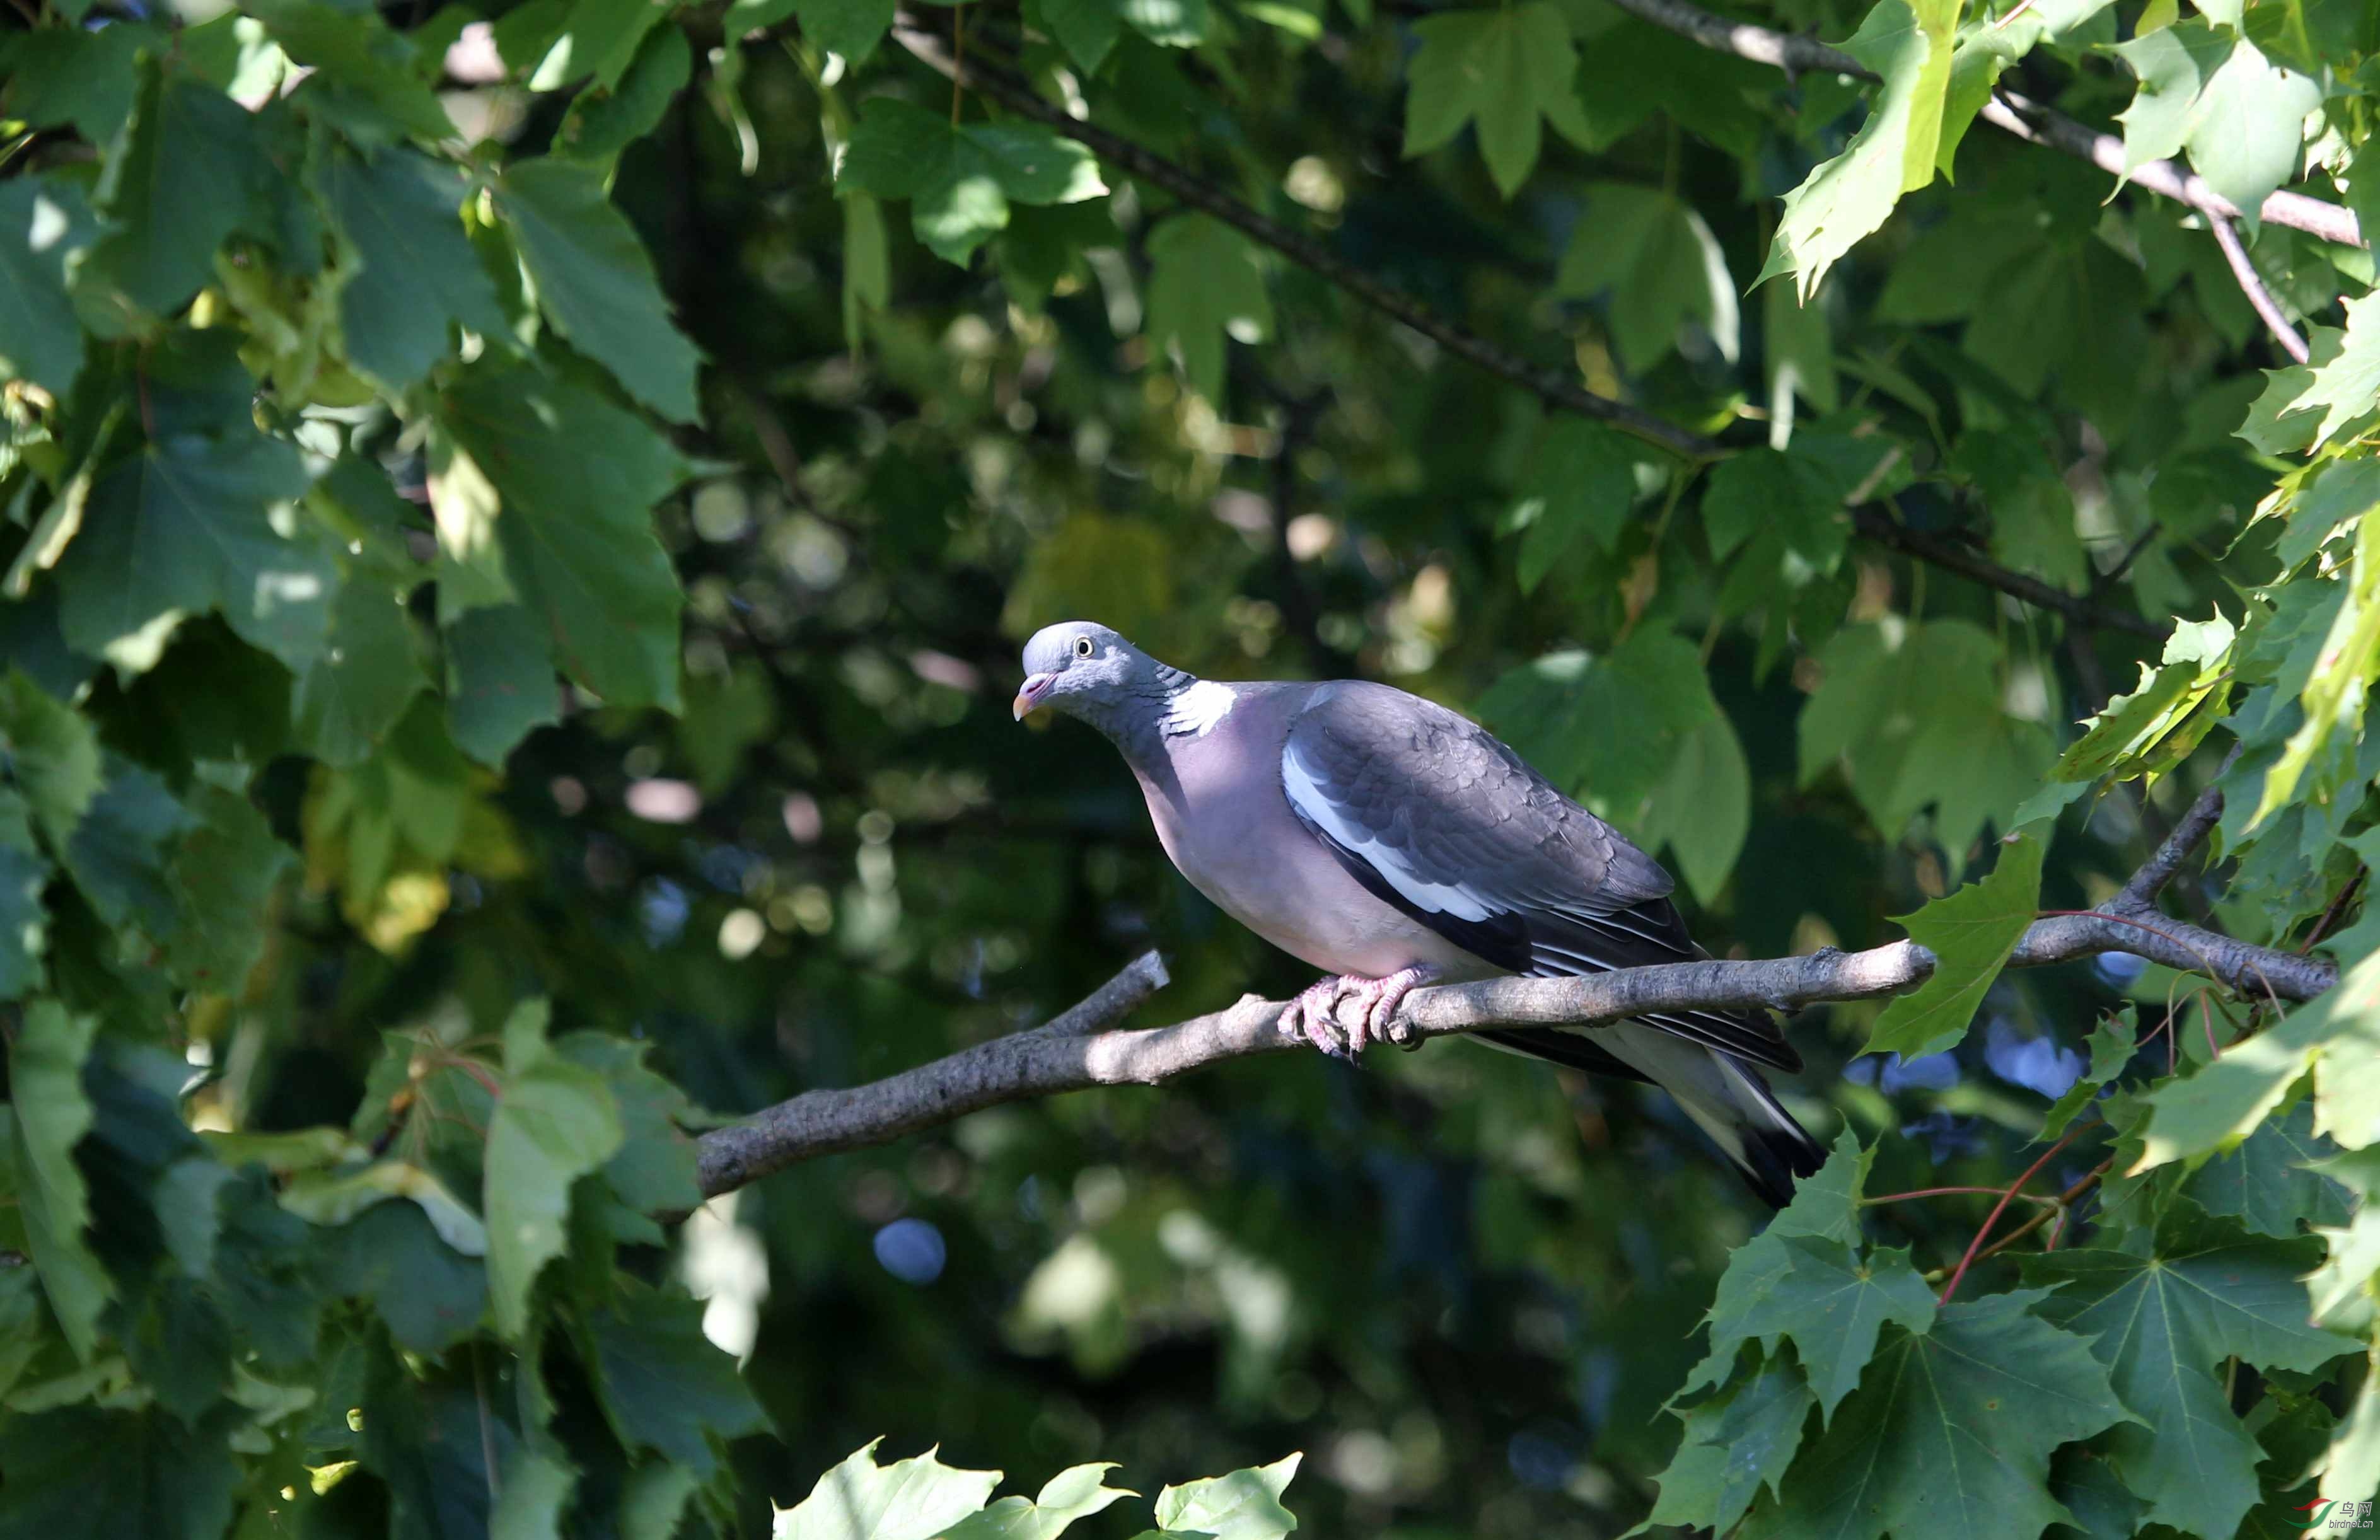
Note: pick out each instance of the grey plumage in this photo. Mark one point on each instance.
(1384, 838)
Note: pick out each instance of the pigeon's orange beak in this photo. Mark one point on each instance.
(1029, 695)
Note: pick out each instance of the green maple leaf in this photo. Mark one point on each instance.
(1244, 1505)
(1504, 69)
(42, 226)
(596, 281)
(555, 1123)
(1075, 1493)
(961, 178)
(1850, 197)
(1829, 1301)
(1949, 1433)
(1580, 478)
(2112, 1043)
(578, 477)
(53, 1113)
(186, 526)
(1206, 284)
(1737, 1442)
(2344, 386)
(1663, 266)
(2162, 1321)
(1971, 933)
(909, 1499)
(2336, 1035)
(2269, 1182)
(417, 277)
(1913, 716)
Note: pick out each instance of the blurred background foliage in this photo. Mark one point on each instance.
(887, 424)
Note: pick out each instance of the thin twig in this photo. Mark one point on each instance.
(1553, 387)
(2007, 111)
(1874, 523)
(2106, 582)
(2251, 284)
(2322, 925)
(1154, 169)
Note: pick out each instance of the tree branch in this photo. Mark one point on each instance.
(1876, 525)
(1080, 1049)
(1871, 523)
(2007, 111)
(1156, 170)
(2188, 835)
(2251, 284)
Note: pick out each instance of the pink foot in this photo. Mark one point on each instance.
(1313, 1014)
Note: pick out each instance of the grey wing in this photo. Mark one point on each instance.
(1435, 815)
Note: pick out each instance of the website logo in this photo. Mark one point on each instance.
(2332, 1514)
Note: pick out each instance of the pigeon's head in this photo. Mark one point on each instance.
(1085, 670)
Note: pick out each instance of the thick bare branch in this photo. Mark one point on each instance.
(2007, 111)
(1045, 1062)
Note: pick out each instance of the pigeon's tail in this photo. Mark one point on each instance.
(1728, 1100)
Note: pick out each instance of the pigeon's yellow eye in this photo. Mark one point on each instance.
(1082, 646)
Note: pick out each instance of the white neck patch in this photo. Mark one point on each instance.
(1196, 710)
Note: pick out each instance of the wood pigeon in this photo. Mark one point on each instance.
(1393, 843)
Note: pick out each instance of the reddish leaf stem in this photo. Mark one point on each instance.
(2063, 1209)
(1999, 1208)
(1943, 1191)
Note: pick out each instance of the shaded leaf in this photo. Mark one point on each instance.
(53, 757)
(1207, 283)
(960, 178)
(186, 525)
(418, 278)
(580, 476)
(193, 169)
(1580, 479)
(555, 1123)
(1502, 68)
(350, 697)
(1662, 266)
(53, 1113)
(1950, 1432)
(2162, 1321)
(41, 227)
(596, 281)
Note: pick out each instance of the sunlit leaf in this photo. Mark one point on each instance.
(1972, 934)
(915, 1499)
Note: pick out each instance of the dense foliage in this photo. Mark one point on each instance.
(519, 522)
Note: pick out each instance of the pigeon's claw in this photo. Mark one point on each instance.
(1312, 1017)
(1314, 1014)
(1387, 996)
